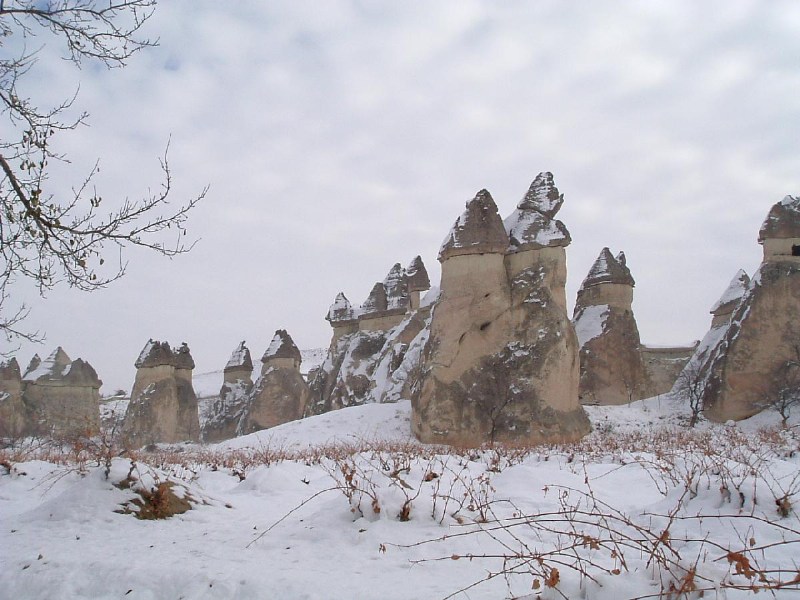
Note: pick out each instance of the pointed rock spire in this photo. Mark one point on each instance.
(154, 354)
(533, 224)
(607, 269)
(282, 346)
(240, 359)
(52, 367)
(396, 287)
(376, 301)
(33, 365)
(417, 276)
(543, 196)
(341, 310)
(783, 220)
(731, 296)
(479, 230)
(183, 357)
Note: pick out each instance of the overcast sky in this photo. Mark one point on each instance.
(341, 137)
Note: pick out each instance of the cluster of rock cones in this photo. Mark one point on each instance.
(490, 355)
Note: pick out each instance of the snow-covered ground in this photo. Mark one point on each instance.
(347, 505)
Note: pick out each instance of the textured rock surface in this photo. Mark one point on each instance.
(227, 410)
(163, 406)
(14, 417)
(62, 396)
(745, 369)
(501, 362)
(612, 368)
(479, 229)
(280, 394)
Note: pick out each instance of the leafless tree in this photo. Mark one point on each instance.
(48, 234)
(692, 385)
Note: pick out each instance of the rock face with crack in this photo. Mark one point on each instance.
(62, 396)
(163, 406)
(226, 411)
(501, 361)
(280, 394)
(612, 369)
(755, 360)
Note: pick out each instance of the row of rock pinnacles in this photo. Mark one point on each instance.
(491, 354)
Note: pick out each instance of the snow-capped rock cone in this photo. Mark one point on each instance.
(417, 280)
(342, 317)
(14, 418)
(612, 369)
(163, 406)
(62, 396)
(753, 363)
(370, 345)
(697, 370)
(501, 363)
(281, 394)
(226, 411)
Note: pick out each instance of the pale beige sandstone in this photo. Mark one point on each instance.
(163, 405)
(612, 368)
(664, 364)
(62, 396)
(501, 363)
(281, 393)
(14, 417)
(743, 369)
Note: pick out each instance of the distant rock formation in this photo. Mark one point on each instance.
(369, 344)
(501, 363)
(612, 369)
(281, 393)
(747, 368)
(697, 369)
(62, 396)
(14, 418)
(163, 405)
(227, 410)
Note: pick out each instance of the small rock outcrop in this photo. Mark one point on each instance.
(751, 364)
(281, 393)
(370, 343)
(227, 410)
(163, 405)
(62, 396)
(14, 418)
(612, 369)
(501, 362)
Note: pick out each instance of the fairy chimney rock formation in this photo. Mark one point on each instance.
(612, 368)
(753, 362)
(240, 365)
(387, 303)
(342, 317)
(227, 410)
(163, 406)
(281, 393)
(13, 415)
(502, 360)
(780, 232)
(417, 281)
(62, 395)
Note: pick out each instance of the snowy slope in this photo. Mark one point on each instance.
(265, 526)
